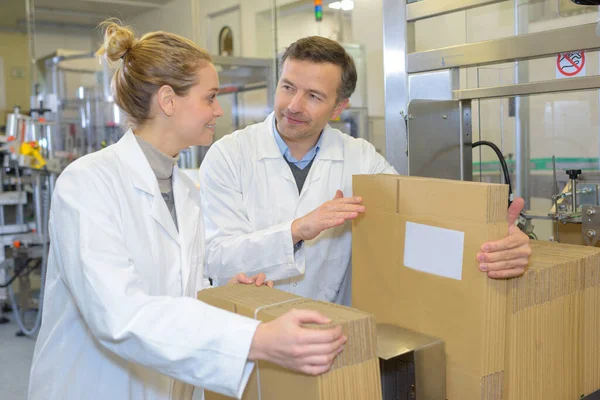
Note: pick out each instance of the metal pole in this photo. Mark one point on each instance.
(396, 84)
(522, 129)
(275, 43)
(37, 201)
(30, 11)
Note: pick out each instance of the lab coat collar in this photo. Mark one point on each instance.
(331, 148)
(144, 179)
(133, 157)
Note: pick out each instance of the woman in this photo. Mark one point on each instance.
(127, 246)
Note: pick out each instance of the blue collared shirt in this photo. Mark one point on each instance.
(285, 150)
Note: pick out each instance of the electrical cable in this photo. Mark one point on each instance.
(503, 164)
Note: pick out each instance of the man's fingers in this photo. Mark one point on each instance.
(515, 209)
(504, 265)
(338, 195)
(509, 242)
(344, 215)
(270, 284)
(519, 252)
(340, 207)
(243, 278)
(507, 273)
(259, 279)
(350, 200)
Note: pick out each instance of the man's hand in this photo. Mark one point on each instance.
(508, 257)
(328, 215)
(258, 280)
(285, 342)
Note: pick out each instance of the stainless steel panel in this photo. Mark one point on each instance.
(432, 8)
(522, 47)
(439, 139)
(396, 83)
(436, 85)
(12, 198)
(590, 227)
(429, 357)
(554, 86)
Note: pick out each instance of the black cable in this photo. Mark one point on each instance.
(22, 270)
(505, 170)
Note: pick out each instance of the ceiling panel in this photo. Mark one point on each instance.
(78, 13)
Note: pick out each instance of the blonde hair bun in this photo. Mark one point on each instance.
(118, 40)
(156, 59)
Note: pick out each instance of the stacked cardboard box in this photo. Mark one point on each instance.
(355, 372)
(552, 327)
(534, 337)
(468, 314)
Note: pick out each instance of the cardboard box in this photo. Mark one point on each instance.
(532, 337)
(468, 313)
(355, 372)
(553, 326)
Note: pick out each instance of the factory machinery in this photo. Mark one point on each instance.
(73, 115)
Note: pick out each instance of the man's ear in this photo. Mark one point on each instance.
(340, 107)
(166, 100)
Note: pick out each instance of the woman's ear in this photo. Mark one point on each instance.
(166, 100)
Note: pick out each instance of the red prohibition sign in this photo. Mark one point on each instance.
(578, 68)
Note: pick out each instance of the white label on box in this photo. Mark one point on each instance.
(434, 250)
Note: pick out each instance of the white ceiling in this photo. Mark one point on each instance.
(76, 13)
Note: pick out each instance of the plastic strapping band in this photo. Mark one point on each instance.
(259, 309)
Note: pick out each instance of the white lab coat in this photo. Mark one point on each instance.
(120, 320)
(250, 198)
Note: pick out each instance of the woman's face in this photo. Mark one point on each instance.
(197, 111)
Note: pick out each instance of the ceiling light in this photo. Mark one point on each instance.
(347, 5)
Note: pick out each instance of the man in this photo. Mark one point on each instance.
(273, 193)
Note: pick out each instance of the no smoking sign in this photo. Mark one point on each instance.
(569, 65)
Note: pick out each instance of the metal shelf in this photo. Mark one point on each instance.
(524, 89)
(523, 47)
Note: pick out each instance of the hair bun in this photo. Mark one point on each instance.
(118, 39)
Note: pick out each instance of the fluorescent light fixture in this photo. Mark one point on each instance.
(345, 5)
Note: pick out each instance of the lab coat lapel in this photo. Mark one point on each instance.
(188, 219)
(163, 217)
(268, 152)
(331, 150)
(143, 179)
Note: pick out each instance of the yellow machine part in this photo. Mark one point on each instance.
(32, 149)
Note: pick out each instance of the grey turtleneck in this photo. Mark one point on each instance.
(162, 165)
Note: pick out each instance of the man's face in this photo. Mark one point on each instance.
(306, 98)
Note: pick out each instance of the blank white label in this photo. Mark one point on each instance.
(434, 250)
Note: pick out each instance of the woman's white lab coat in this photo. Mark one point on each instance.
(119, 319)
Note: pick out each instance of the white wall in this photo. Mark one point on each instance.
(48, 40)
(177, 16)
(367, 30)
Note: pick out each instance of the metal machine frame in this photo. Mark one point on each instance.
(399, 65)
(434, 75)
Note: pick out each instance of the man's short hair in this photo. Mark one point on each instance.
(318, 49)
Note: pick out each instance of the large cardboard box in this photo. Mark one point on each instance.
(467, 310)
(552, 334)
(532, 337)
(355, 372)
